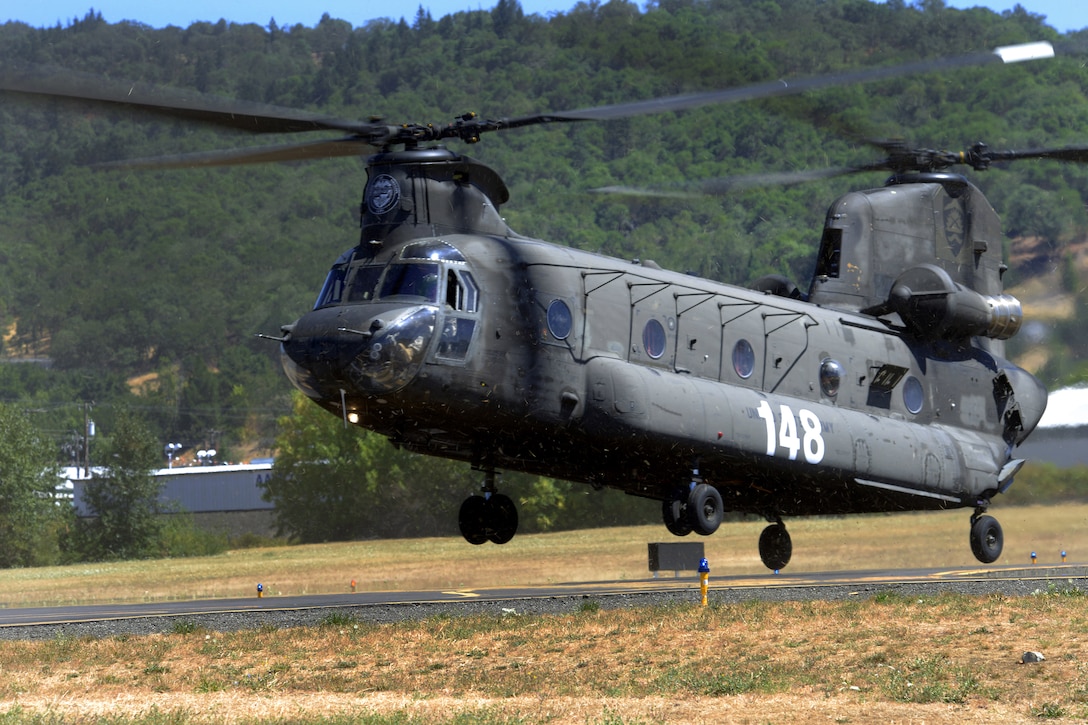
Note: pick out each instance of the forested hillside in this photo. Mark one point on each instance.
(147, 288)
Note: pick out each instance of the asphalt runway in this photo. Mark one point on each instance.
(380, 607)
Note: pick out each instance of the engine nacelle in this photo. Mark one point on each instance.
(934, 306)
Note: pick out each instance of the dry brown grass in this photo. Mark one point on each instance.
(886, 659)
(831, 544)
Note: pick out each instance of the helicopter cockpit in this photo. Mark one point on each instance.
(396, 307)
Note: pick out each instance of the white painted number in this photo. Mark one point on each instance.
(814, 438)
(811, 443)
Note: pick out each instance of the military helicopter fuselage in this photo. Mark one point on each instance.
(881, 389)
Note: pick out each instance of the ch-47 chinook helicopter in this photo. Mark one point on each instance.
(881, 388)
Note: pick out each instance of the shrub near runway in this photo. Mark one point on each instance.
(944, 659)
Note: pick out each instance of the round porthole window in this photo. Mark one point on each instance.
(913, 395)
(653, 339)
(744, 358)
(831, 373)
(560, 321)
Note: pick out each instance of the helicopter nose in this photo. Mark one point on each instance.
(393, 352)
(353, 348)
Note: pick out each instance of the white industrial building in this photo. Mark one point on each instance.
(224, 499)
(1062, 435)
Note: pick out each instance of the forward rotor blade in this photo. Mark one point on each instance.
(173, 102)
(1077, 154)
(349, 146)
(41, 82)
(1006, 54)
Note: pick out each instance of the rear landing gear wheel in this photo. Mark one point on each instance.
(775, 546)
(987, 538)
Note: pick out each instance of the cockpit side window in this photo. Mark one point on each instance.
(411, 280)
(459, 325)
(461, 291)
(333, 289)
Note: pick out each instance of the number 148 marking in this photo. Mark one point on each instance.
(810, 442)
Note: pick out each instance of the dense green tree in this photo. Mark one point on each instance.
(325, 477)
(122, 497)
(29, 512)
(333, 482)
(161, 279)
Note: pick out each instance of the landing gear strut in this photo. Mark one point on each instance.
(491, 517)
(775, 546)
(987, 539)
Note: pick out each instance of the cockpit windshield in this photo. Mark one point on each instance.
(418, 275)
(363, 283)
(411, 280)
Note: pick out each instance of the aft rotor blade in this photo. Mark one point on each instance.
(172, 102)
(727, 184)
(350, 146)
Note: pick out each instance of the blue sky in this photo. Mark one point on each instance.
(1064, 15)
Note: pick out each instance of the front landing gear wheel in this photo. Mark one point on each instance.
(502, 519)
(775, 546)
(987, 538)
(472, 520)
(493, 518)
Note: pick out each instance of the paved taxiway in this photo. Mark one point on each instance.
(229, 614)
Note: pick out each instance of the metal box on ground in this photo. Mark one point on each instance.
(676, 556)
